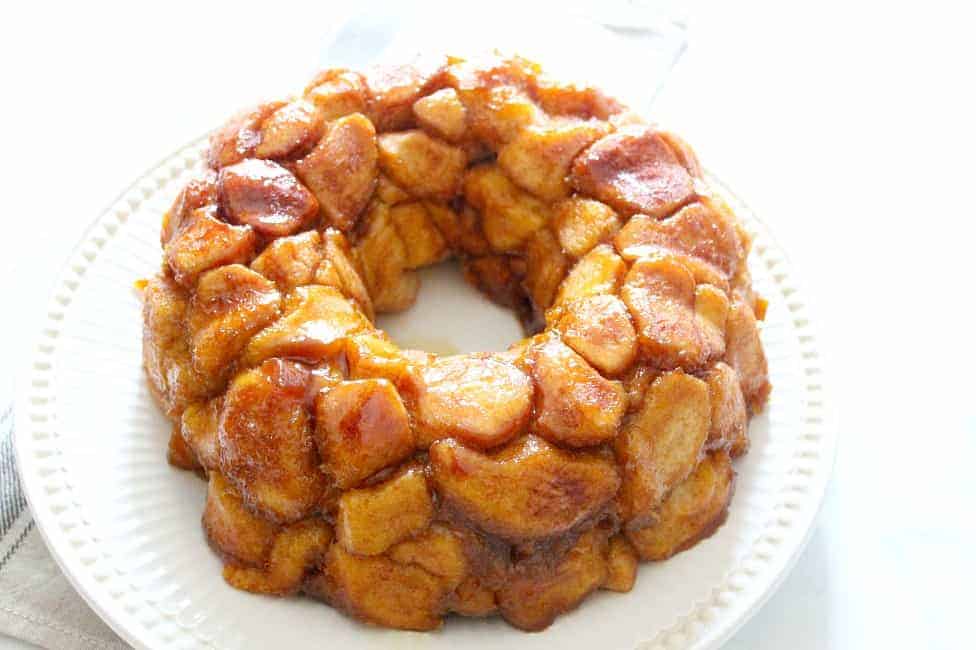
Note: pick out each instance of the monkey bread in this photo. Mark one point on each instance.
(400, 486)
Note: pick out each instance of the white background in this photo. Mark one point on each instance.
(848, 127)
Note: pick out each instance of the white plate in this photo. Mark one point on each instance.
(125, 527)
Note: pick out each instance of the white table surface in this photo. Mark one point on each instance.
(847, 126)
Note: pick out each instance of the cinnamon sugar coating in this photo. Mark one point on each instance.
(399, 486)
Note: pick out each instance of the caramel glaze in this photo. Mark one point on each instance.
(400, 486)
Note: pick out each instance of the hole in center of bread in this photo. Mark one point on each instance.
(452, 317)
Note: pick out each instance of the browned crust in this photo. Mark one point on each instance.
(560, 204)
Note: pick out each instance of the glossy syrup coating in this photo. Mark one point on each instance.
(399, 486)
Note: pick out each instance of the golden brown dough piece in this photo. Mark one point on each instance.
(545, 269)
(679, 324)
(477, 398)
(341, 169)
(291, 262)
(424, 166)
(701, 236)
(600, 329)
(266, 196)
(695, 508)
(532, 599)
(443, 113)
(290, 130)
(383, 258)
(661, 444)
(621, 565)
(392, 90)
(337, 93)
(372, 519)
(231, 304)
(296, 548)
(634, 170)
(384, 592)
(509, 214)
(400, 486)
(238, 138)
(197, 193)
(172, 378)
(745, 354)
(198, 429)
(237, 533)
(730, 420)
(577, 407)
(361, 427)
(266, 447)
(316, 320)
(528, 490)
(204, 242)
(539, 157)
(599, 272)
(583, 223)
